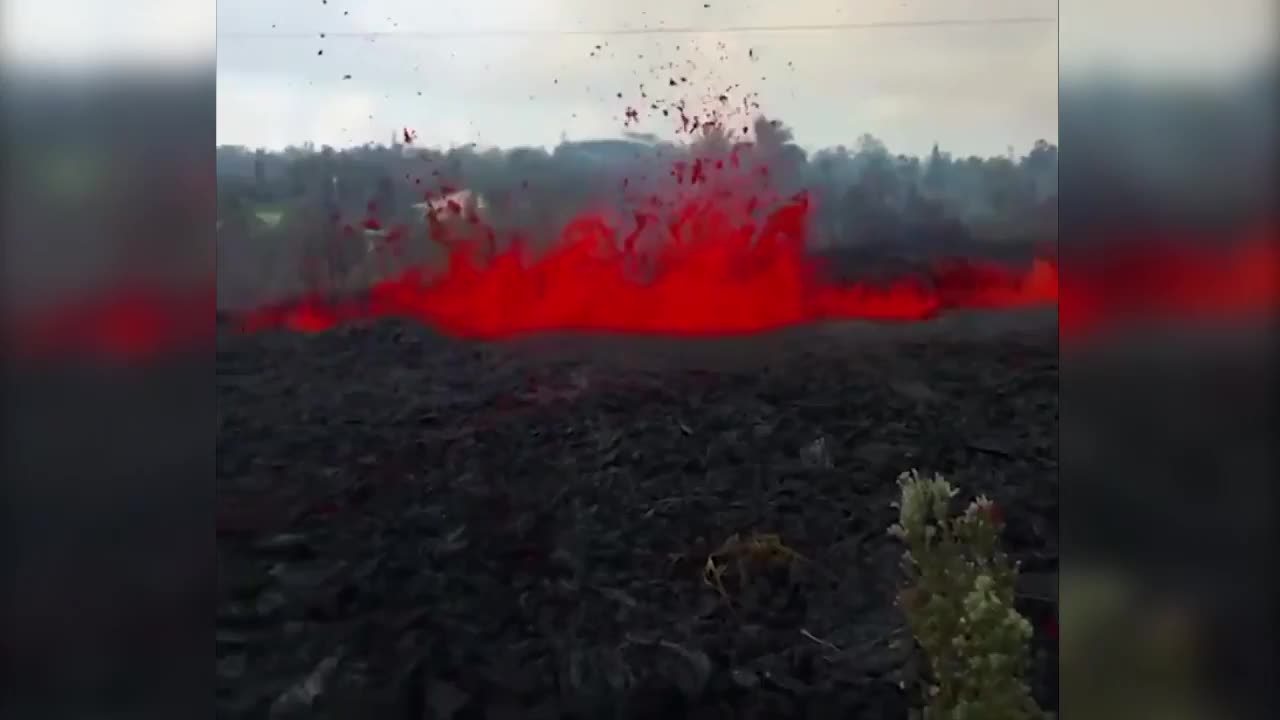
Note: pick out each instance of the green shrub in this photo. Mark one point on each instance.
(959, 605)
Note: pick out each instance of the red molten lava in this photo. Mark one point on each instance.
(127, 322)
(714, 271)
(709, 271)
(1134, 281)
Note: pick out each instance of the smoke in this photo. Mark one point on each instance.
(1177, 154)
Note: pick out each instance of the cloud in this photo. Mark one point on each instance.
(830, 86)
(94, 31)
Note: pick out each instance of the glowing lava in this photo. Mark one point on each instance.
(714, 272)
(706, 262)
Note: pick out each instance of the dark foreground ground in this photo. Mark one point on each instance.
(410, 527)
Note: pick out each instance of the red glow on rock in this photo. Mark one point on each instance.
(1186, 279)
(127, 323)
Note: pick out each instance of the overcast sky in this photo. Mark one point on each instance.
(974, 89)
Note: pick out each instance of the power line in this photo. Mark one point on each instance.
(728, 30)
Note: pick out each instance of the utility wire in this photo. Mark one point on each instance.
(727, 30)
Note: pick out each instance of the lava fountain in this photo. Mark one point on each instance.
(717, 255)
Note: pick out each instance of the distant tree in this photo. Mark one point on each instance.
(935, 174)
(1043, 157)
(385, 197)
(260, 174)
(1041, 165)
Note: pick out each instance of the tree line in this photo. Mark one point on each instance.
(279, 211)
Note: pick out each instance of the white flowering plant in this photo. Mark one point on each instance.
(959, 605)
